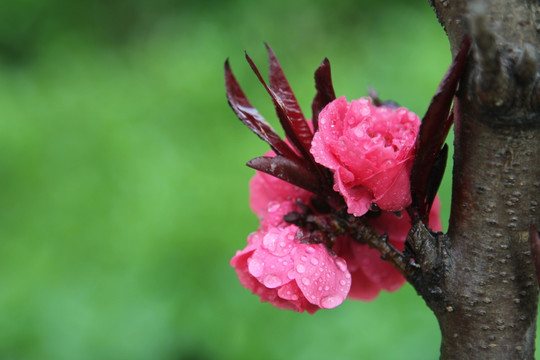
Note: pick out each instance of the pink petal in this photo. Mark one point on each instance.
(378, 271)
(292, 293)
(358, 198)
(330, 129)
(272, 262)
(265, 189)
(396, 227)
(275, 212)
(324, 280)
(391, 187)
(362, 288)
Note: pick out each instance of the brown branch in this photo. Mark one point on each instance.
(488, 296)
(365, 234)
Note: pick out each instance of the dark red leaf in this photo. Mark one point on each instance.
(435, 177)
(251, 117)
(534, 240)
(280, 85)
(287, 170)
(325, 91)
(283, 116)
(434, 129)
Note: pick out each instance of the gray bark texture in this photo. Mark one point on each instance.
(480, 278)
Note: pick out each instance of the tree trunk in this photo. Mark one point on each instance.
(486, 297)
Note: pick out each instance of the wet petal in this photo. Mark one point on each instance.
(323, 279)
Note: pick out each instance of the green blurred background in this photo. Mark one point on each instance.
(122, 177)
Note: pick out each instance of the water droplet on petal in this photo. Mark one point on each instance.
(306, 281)
(271, 281)
(255, 267)
(310, 250)
(291, 274)
(300, 268)
(342, 282)
(273, 206)
(341, 264)
(294, 297)
(314, 261)
(331, 301)
(303, 258)
(269, 241)
(326, 288)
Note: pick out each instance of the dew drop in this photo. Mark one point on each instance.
(306, 281)
(342, 282)
(326, 288)
(331, 301)
(294, 297)
(341, 264)
(310, 250)
(314, 261)
(291, 274)
(271, 281)
(300, 268)
(255, 267)
(269, 241)
(273, 206)
(303, 258)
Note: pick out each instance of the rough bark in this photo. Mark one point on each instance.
(480, 278)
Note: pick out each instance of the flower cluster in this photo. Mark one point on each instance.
(290, 273)
(370, 149)
(292, 268)
(327, 195)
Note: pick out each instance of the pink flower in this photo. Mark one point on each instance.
(266, 189)
(371, 274)
(288, 273)
(371, 151)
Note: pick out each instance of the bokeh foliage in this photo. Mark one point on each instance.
(122, 177)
